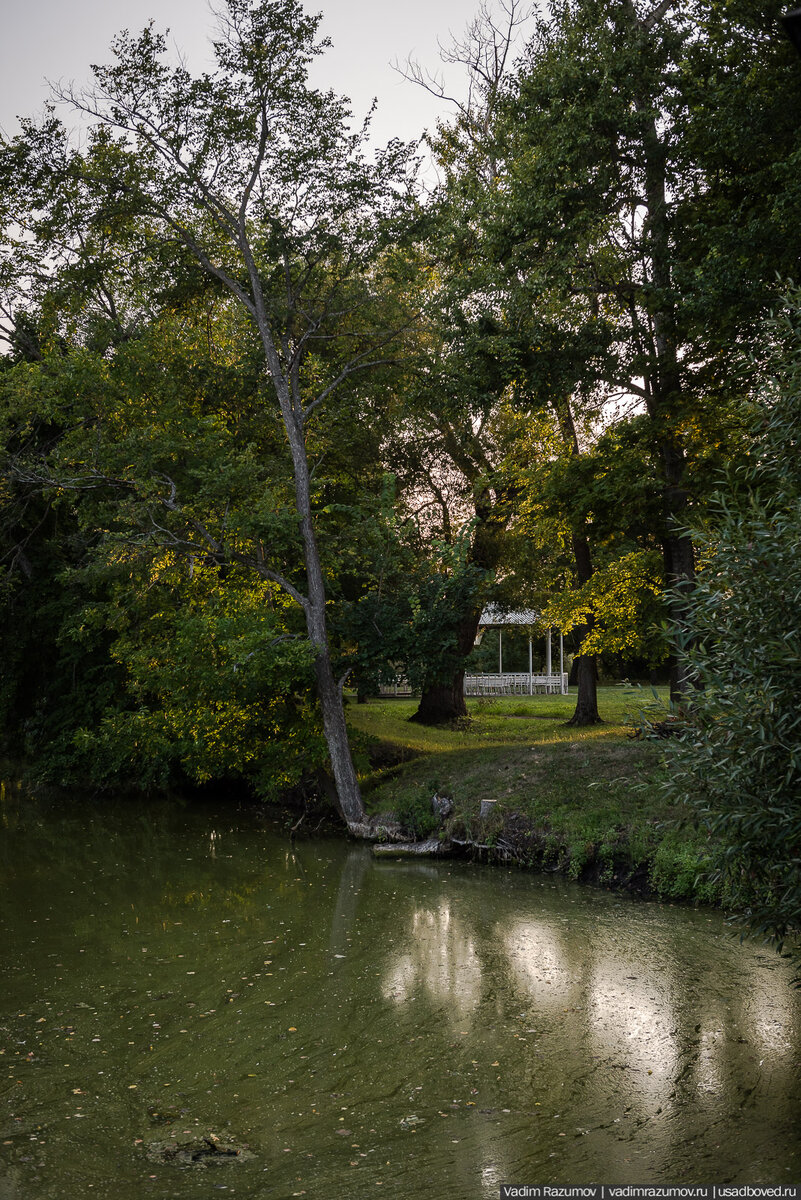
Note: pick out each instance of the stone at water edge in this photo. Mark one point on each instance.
(441, 806)
(202, 1151)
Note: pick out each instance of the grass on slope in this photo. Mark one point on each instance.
(591, 795)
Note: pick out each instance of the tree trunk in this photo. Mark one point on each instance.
(443, 699)
(664, 391)
(442, 702)
(336, 737)
(329, 690)
(680, 579)
(586, 711)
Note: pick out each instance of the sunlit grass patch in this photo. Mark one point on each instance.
(499, 721)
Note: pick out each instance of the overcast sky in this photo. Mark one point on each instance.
(51, 39)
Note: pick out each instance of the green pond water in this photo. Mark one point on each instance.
(181, 982)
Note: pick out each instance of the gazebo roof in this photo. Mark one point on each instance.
(493, 614)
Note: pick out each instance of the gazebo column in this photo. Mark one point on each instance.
(500, 651)
(562, 688)
(548, 667)
(530, 667)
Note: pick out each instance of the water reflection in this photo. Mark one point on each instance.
(538, 962)
(640, 1022)
(429, 1028)
(440, 959)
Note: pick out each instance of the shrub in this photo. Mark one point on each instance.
(415, 813)
(738, 761)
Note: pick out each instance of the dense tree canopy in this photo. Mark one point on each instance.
(257, 180)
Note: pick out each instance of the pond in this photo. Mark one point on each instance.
(191, 1006)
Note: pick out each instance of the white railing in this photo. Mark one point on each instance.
(519, 683)
(398, 687)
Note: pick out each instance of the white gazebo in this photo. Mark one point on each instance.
(519, 683)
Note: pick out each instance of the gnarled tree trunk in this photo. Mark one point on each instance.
(443, 700)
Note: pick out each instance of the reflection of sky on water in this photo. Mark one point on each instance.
(771, 1017)
(642, 1031)
(539, 963)
(631, 1020)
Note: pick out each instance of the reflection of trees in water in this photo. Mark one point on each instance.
(440, 959)
(157, 856)
(143, 906)
(348, 898)
(631, 1017)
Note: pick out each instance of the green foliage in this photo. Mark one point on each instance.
(639, 209)
(216, 687)
(680, 870)
(624, 593)
(739, 759)
(408, 622)
(415, 813)
(131, 657)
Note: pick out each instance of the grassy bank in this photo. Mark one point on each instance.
(586, 802)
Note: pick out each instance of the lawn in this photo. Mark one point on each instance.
(585, 801)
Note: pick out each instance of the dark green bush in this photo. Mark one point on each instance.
(738, 761)
(415, 813)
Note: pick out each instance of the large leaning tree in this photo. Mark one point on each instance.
(262, 183)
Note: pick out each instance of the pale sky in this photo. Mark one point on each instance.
(58, 39)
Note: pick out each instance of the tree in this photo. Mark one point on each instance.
(451, 454)
(581, 549)
(452, 450)
(738, 761)
(408, 621)
(188, 690)
(640, 197)
(128, 661)
(257, 178)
